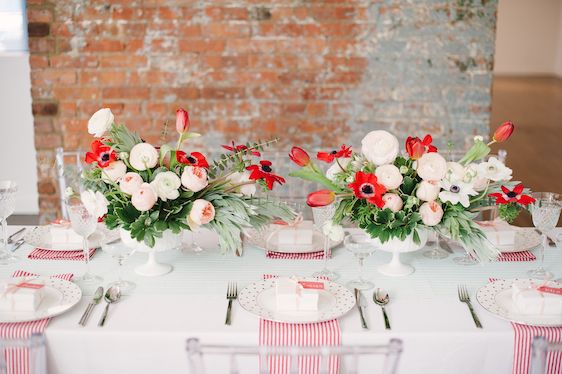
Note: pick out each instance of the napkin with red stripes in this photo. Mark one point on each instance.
(516, 256)
(524, 335)
(319, 255)
(299, 334)
(17, 359)
(45, 254)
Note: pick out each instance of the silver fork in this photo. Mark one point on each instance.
(464, 297)
(231, 294)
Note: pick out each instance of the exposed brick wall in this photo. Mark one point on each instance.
(312, 72)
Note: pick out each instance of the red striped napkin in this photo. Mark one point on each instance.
(17, 359)
(301, 334)
(516, 256)
(45, 254)
(319, 255)
(524, 335)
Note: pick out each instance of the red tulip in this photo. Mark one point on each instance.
(320, 198)
(417, 147)
(299, 156)
(504, 132)
(182, 120)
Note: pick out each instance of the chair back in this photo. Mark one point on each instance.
(541, 349)
(352, 359)
(15, 354)
(69, 168)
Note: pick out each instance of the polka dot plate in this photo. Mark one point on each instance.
(259, 299)
(59, 296)
(526, 238)
(496, 298)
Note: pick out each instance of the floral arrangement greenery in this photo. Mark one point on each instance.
(392, 195)
(148, 190)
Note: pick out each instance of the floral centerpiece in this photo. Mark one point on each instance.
(152, 190)
(393, 196)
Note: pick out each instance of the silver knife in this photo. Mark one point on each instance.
(360, 304)
(18, 244)
(98, 295)
(11, 237)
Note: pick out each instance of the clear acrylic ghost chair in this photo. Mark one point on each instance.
(351, 358)
(15, 350)
(69, 168)
(540, 349)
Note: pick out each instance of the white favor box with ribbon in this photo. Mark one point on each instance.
(21, 296)
(499, 233)
(292, 295)
(297, 234)
(537, 297)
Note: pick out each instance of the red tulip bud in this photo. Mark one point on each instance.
(320, 198)
(299, 156)
(504, 132)
(415, 147)
(182, 120)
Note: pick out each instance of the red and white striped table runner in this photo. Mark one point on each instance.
(319, 255)
(524, 335)
(17, 359)
(301, 334)
(516, 256)
(45, 254)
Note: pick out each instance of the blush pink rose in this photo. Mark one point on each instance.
(202, 212)
(431, 213)
(130, 183)
(392, 201)
(194, 178)
(144, 198)
(428, 190)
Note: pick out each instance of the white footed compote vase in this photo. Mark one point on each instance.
(395, 268)
(153, 268)
(8, 192)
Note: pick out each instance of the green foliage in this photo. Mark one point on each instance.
(508, 212)
(122, 139)
(234, 160)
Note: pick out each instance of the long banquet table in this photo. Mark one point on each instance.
(146, 331)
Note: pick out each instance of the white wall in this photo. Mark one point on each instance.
(529, 37)
(17, 146)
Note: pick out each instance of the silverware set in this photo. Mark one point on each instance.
(464, 297)
(380, 298)
(18, 243)
(360, 302)
(112, 295)
(231, 295)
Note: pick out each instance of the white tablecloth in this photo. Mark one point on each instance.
(146, 331)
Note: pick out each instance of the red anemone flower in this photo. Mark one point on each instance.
(344, 152)
(101, 153)
(516, 195)
(417, 147)
(320, 198)
(367, 187)
(241, 147)
(192, 159)
(264, 171)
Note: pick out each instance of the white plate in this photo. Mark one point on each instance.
(258, 298)
(60, 296)
(495, 297)
(526, 238)
(260, 240)
(41, 238)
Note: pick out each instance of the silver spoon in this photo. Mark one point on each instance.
(112, 295)
(381, 298)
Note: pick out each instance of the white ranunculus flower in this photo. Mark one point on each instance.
(113, 172)
(455, 170)
(389, 176)
(456, 191)
(380, 147)
(194, 178)
(143, 156)
(166, 185)
(431, 167)
(428, 190)
(334, 232)
(94, 202)
(100, 122)
(495, 170)
(336, 169)
(243, 177)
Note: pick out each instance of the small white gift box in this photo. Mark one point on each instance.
(298, 234)
(293, 295)
(499, 233)
(537, 297)
(21, 296)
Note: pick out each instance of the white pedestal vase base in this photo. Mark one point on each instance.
(153, 268)
(395, 268)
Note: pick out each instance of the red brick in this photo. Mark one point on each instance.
(104, 45)
(123, 61)
(221, 13)
(65, 61)
(39, 15)
(201, 45)
(38, 62)
(48, 141)
(223, 93)
(126, 93)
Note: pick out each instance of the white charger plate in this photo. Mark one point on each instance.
(495, 297)
(41, 238)
(526, 238)
(334, 301)
(260, 240)
(60, 295)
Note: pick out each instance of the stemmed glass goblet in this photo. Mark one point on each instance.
(321, 215)
(120, 252)
(545, 212)
(436, 252)
(8, 190)
(362, 246)
(84, 224)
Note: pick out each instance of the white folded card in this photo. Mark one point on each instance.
(21, 296)
(537, 297)
(294, 295)
(299, 234)
(499, 233)
(64, 235)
